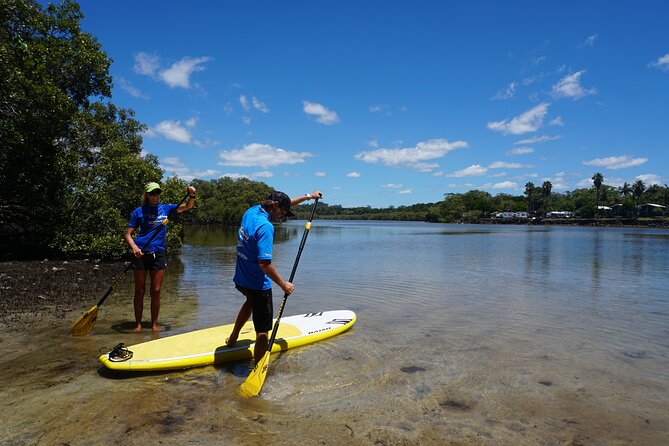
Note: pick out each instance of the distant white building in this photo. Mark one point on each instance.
(559, 214)
(512, 215)
(651, 209)
(603, 210)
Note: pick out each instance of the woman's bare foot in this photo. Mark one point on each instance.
(155, 328)
(138, 328)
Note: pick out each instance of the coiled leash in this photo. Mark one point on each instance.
(119, 353)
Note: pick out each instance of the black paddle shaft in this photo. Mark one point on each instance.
(155, 230)
(292, 275)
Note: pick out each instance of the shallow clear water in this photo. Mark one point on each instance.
(466, 334)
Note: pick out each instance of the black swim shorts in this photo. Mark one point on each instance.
(263, 309)
(150, 261)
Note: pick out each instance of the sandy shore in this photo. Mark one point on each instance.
(38, 291)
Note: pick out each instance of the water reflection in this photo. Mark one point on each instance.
(596, 255)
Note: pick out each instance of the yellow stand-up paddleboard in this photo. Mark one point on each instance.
(207, 346)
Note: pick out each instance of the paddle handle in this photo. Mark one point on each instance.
(307, 227)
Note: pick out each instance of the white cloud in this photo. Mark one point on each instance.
(263, 155)
(178, 75)
(530, 121)
(474, 170)
(650, 179)
(662, 63)
(505, 185)
(557, 122)
(263, 174)
(589, 41)
(174, 130)
(322, 114)
(386, 109)
(615, 182)
(520, 151)
(527, 175)
(174, 166)
(405, 191)
(559, 182)
(538, 139)
(425, 167)
(507, 93)
(570, 87)
(320, 174)
(373, 143)
(253, 103)
(146, 64)
(616, 162)
(505, 165)
(438, 174)
(244, 102)
(131, 89)
(413, 157)
(203, 144)
(260, 106)
(353, 174)
(392, 186)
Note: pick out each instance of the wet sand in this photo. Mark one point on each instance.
(356, 389)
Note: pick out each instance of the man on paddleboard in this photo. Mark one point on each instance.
(254, 272)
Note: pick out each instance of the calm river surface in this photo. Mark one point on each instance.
(465, 335)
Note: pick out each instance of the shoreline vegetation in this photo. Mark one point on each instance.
(597, 222)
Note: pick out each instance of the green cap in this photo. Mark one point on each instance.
(153, 186)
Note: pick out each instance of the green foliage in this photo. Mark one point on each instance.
(628, 209)
(68, 162)
(224, 200)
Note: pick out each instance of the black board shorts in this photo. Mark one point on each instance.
(261, 304)
(150, 261)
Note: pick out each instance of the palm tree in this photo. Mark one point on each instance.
(546, 192)
(638, 189)
(597, 180)
(529, 191)
(625, 190)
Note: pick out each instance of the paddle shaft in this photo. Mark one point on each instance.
(153, 236)
(307, 227)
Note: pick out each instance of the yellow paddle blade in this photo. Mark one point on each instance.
(253, 384)
(84, 325)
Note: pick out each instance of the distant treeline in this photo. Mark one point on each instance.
(72, 166)
(223, 201)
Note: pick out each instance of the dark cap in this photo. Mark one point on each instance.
(284, 201)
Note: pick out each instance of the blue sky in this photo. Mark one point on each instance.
(388, 103)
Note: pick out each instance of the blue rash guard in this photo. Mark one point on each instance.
(254, 242)
(148, 218)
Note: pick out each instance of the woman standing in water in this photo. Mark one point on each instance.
(151, 258)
